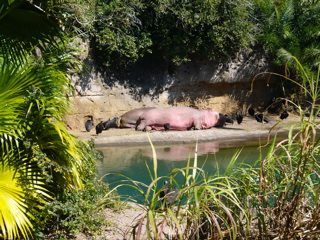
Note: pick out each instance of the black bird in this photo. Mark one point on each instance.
(166, 126)
(261, 118)
(89, 123)
(228, 119)
(106, 125)
(239, 118)
(99, 128)
(168, 194)
(284, 115)
(110, 124)
(251, 112)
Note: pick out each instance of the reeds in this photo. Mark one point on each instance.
(276, 198)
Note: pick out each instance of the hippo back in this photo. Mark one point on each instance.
(129, 119)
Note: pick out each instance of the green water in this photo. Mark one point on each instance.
(132, 161)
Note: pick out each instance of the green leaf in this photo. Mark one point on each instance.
(14, 217)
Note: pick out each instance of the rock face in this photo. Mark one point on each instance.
(227, 87)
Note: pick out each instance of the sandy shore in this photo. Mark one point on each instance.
(249, 131)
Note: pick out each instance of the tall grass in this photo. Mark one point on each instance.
(276, 198)
(205, 206)
(289, 175)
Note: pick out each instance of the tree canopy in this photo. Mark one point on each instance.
(122, 32)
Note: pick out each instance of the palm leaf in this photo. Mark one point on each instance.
(24, 26)
(14, 217)
(33, 102)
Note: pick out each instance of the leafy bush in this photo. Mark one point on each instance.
(73, 211)
(215, 29)
(125, 31)
(289, 28)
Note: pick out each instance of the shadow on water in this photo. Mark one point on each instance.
(132, 161)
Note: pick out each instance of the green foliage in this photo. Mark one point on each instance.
(215, 29)
(74, 211)
(125, 31)
(119, 35)
(24, 26)
(289, 176)
(14, 217)
(34, 141)
(290, 28)
(38, 156)
(204, 206)
(77, 211)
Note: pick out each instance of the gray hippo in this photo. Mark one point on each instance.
(179, 118)
(129, 119)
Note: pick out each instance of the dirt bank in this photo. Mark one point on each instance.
(248, 130)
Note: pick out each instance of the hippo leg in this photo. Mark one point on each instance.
(197, 126)
(140, 125)
(147, 128)
(143, 127)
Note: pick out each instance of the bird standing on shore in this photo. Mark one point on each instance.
(251, 112)
(261, 118)
(284, 114)
(228, 119)
(89, 123)
(239, 118)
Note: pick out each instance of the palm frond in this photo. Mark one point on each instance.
(312, 56)
(14, 217)
(23, 27)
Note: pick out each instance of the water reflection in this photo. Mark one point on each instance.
(181, 152)
(132, 161)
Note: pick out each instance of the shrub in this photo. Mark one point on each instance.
(73, 211)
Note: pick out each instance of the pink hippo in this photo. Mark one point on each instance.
(179, 118)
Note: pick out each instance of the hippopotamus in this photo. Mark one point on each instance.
(129, 119)
(179, 118)
(106, 125)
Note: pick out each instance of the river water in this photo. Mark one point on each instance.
(132, 161)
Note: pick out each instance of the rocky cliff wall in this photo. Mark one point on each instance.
(200, 83)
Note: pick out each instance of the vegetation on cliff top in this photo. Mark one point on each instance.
(123, 32)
